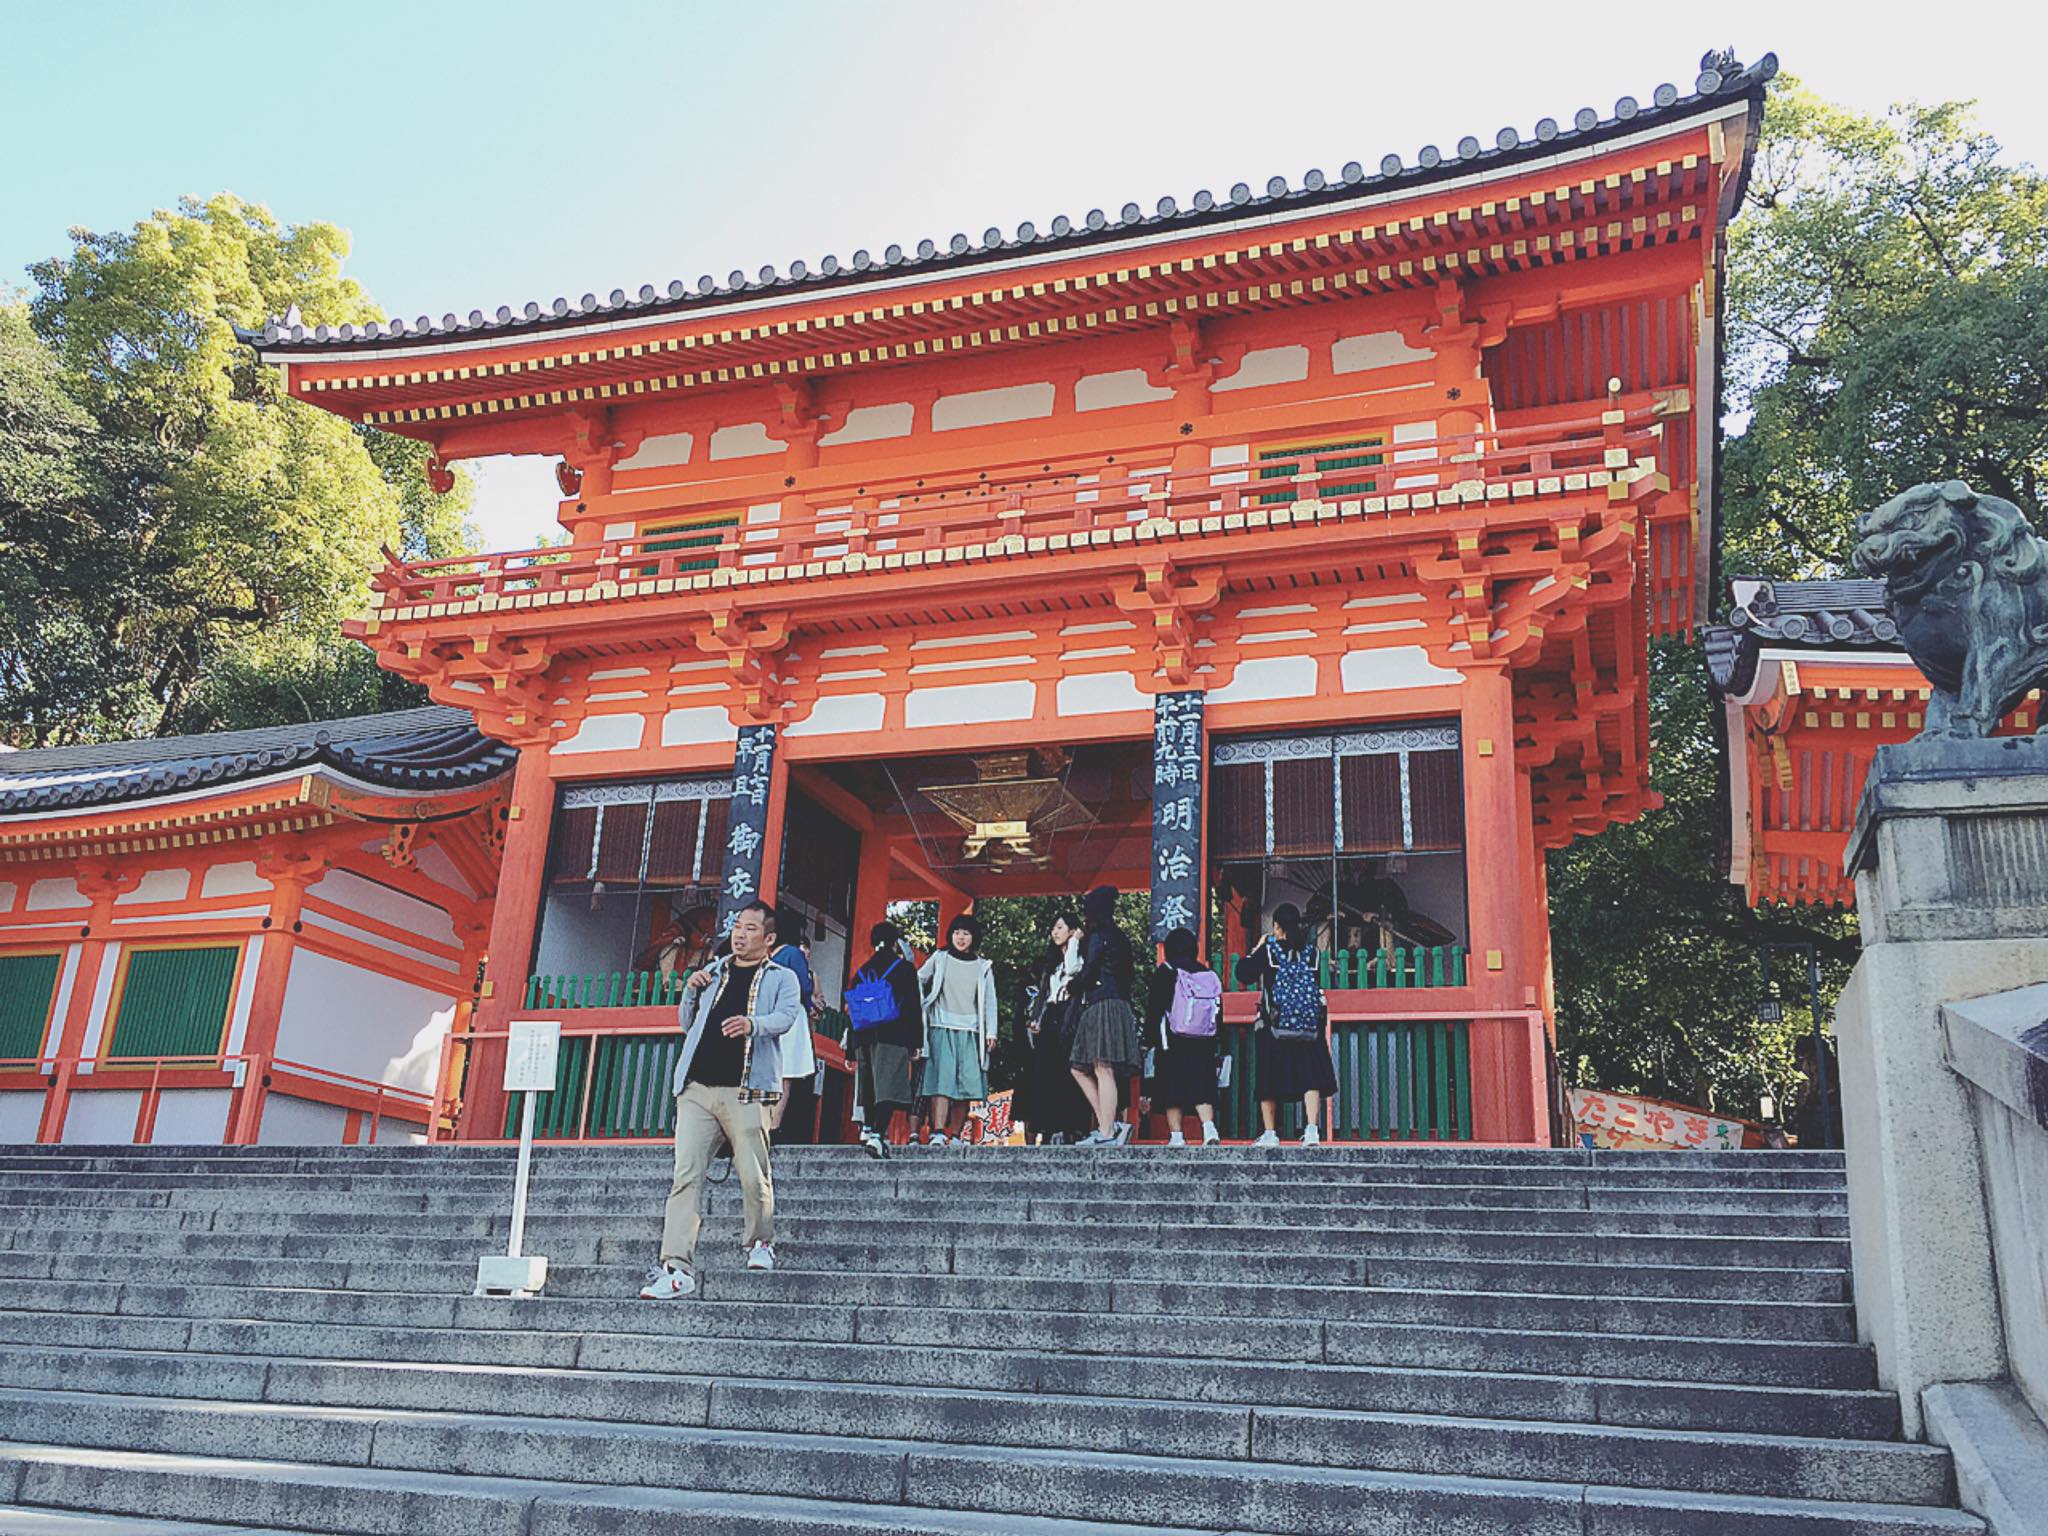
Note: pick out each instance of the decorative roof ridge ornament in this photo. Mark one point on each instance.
(1966, 581)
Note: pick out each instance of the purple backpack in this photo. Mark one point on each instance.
(1197, 1004)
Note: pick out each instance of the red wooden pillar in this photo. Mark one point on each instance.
(514, 921)
(870, 890)
(101, 886)
(1499, 890)
(289, 873)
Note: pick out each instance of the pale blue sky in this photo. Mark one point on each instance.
(488, 153)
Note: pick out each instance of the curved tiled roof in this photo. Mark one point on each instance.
(1721, 79)
(411, 750)
(1821, 615)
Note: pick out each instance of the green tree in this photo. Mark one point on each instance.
(216, 533)
(1887, 313)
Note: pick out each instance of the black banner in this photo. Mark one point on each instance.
(1177, 813)
(746, 833)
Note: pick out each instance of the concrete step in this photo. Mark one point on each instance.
(477, 1218)
(1203, 1478)
(841, 1293)
(699, 1340)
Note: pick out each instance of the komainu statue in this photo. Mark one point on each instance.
(1967, 584)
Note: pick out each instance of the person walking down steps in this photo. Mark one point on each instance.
(959, 988)
(734, 1014)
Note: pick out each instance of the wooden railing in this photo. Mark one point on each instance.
(1024, 505)
(1344, 970)
(606, 989)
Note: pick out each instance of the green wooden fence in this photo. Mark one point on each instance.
(1397, 1080)
(1437, 965)
(614, 989)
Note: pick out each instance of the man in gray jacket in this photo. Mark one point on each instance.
(734, 1015)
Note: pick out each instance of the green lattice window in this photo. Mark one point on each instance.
(174, 1002)
(699, 533)
(27, 984)
(1286, 463)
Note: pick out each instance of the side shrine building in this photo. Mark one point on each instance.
(1298, 543)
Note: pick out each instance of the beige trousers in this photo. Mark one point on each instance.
(704, 1117)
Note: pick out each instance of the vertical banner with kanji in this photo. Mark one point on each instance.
(746, 831)
(1177, 813)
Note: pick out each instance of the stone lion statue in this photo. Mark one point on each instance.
(1967, 584)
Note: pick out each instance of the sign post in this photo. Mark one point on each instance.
(532, 1057)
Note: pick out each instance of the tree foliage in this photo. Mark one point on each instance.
(1887, 313)
(175, 529)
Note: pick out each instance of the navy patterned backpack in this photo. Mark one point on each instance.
(1294, 1007)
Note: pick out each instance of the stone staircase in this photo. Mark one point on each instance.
(1339, 1340)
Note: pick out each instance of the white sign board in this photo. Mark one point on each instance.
(531, 1055)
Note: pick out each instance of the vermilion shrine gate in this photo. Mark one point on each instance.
(1297, 545)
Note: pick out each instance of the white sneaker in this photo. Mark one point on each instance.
(1311, 1136)
(871, 1144)
(936, 1141)
(761, 1256)
(1176, 1139)
(1210, 1135)
(1096, 1139)
(1269, 1139)
(667, 1283)
(1122, 1133)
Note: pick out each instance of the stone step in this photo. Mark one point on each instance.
(636, 1237)
(49, 1522)
(477, 1219)
(1420, 1346)
(288, 1497)
(869, 1442)
(1420, 1379)
(840, 1294)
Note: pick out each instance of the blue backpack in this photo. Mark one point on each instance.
(871, 1000)
(1294, 1000)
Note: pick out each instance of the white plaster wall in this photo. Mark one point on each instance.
(385, 904)
(1100, 693)
(1394, 666)
(742, 441)
(1414, 432)
(238, 879)
(842, 712)
(245, 996)
(159, 885)
(660, 452)
(988, 407)
(20, 1113)
(103, 989)
(189, 1117)
(54, 895)
(970, 704)
(8, 891)
(603, 733)
(1106, 391)
(298, 1122)
(697, 726)
(1378, 349)
(872, 424)
(347, 1019)
(1267, 365)
(438, 867)
(103, 1117)
(1268, 677)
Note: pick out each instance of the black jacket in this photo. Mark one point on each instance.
(907, 1028)
(1105, 968)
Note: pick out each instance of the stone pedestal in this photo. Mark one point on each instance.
(1950, 855)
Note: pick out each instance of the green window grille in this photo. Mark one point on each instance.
(1286, 463)
(27, 983)
(695, 535)
(174, 1002)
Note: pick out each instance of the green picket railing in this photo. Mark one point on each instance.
(614, 989)
(1436, 965)
(1397, 1080)
(629, 1080)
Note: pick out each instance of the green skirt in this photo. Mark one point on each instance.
(952, 1066)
